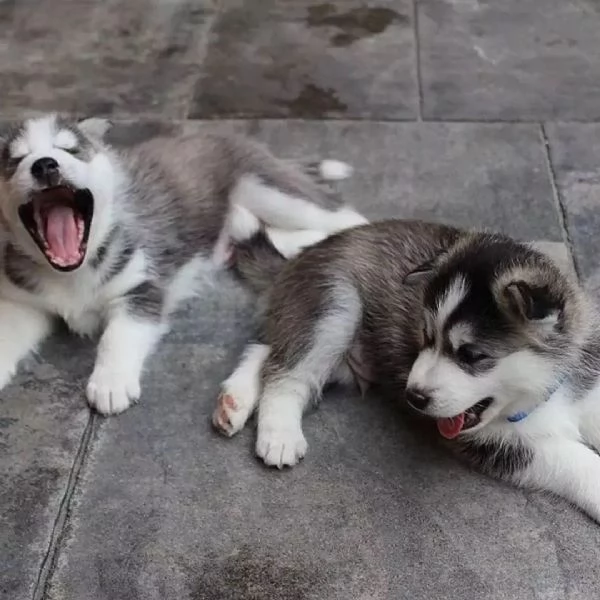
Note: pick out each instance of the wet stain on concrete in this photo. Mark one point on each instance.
(355, 24)
(249, 576)
(314, 101)
(7, 10)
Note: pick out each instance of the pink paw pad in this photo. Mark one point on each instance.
(228, 401)
(220, 416)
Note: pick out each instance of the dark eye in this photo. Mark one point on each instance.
(73, 151)
(469, 354)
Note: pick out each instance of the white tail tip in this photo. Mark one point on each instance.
(335, 170)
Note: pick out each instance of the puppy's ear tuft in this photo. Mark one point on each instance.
(423, 272)
(532, 303)
(95, 127)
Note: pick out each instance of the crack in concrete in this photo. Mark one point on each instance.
(559, 202)
(60, 522)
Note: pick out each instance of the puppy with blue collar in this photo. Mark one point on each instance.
(485, 336)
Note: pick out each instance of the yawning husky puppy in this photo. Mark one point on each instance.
(487, 336)
(113, 241)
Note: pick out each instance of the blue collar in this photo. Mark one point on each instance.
(519, 416)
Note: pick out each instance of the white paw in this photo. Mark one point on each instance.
(281, 446)
(111, 392)
(239, 392)
(232, 412)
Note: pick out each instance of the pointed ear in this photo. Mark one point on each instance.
(95, 128)
(531, 303)
(422, 272)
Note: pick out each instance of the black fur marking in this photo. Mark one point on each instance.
(146, 300)
(97, 260)
(8, 134)
(480, 264)
(499, 460)
(125, 254)
(478, 307)
(18, 268)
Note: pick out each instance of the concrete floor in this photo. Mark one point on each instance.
(475, 112)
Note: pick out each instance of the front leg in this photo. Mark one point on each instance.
(569, 469)
(131, 334)
(22, 328)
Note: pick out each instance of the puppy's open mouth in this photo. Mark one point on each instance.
(451, 427)
(58, 219)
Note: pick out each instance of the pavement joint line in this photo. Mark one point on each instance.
(559, 201)
(202, 56)
(417, 53)
(49, 560)
(131, 118)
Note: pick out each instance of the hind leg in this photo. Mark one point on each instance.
(240, 391)
(242, 225)
(283, 210)
(284, 198)
(288, 388)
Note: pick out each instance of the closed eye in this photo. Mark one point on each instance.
(74, 151)
(469, 354)
(14, 161)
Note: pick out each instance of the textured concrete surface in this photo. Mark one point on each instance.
(576, 156)
(500, 99)
(510, 60)
(309, 60)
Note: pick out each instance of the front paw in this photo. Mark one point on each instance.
(281, 446)
(111, 392)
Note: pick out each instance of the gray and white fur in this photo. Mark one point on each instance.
(484, 335)
(112, 241)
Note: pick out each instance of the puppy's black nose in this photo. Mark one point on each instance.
(417, 399)
(45, 170)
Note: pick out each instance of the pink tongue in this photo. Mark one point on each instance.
(450, 428)
(62, 235)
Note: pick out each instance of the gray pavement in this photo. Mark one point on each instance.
(475, 112)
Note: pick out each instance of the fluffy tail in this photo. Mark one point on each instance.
(328, 169)
(257, 261)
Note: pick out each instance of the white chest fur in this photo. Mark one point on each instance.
(83, 298)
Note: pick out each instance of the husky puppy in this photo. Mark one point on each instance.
(484, 335)
(113, 241)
